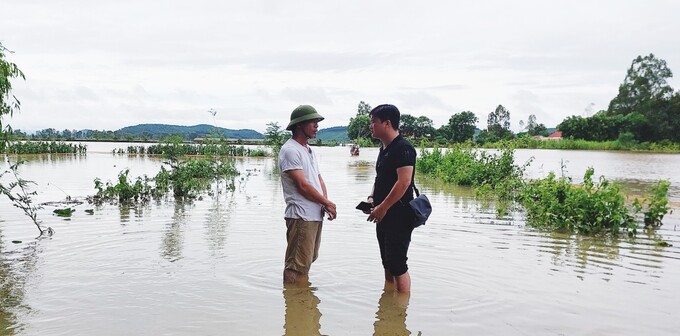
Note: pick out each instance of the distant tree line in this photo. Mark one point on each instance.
(146, 132)
(646, 109)
(69, 135)
(461, 127)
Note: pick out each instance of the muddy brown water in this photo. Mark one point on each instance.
(213, 267)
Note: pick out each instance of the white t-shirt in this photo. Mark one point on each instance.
(294, 156)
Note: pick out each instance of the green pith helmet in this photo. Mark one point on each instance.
(303, 113)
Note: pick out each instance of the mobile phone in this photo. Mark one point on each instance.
(327, 213)
(365, 207)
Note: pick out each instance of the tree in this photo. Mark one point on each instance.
(673, 118)
(358, 126)
(534, 128)
(646, 91)
(416, 128)
(575, 127)
(498, 124)
(407, 125)
(423, 128)
(8, 102)
(645, 84)
(461, 126)
(602, 127)
(17, 192)
(274, 137)
(363, 108)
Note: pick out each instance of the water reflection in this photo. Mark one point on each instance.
(217, 222)
(46, 158)
(173, 237)
(302, 311)
(601, 255)
(126, 209)
(391, 314)
(15, 268)
(364, 171)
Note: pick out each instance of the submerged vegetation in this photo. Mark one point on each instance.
(179, 149)
(551, 203)
(44, 147)
(185, 179)
(481, 167)
(625, 142)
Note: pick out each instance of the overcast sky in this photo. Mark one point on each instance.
(111, 64)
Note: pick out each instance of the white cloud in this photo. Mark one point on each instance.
(106, 65)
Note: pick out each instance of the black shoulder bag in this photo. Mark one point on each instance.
(421, 206)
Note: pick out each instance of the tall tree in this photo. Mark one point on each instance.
(498, 123)
(274, 136)
(358, 125)
(646, 91)
(534, 128)
(423, 128)
(645, 84)
(407, 125)
(461, 126)
(363, 108)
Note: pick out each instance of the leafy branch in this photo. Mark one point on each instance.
(19, 194)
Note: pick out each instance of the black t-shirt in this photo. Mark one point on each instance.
(399, 153)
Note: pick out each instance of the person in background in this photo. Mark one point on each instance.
(305, 194)
(391, 193)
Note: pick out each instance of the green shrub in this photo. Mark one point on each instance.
(655, 206)
(589, 208)
(44, 147)
(186, 179)
(464, 165)
(550, 203)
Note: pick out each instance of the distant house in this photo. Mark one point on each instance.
(557, 135)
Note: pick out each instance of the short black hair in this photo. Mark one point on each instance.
(387, 112)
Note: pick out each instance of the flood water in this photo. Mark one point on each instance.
(213, 266)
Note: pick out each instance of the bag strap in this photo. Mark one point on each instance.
(413, 182)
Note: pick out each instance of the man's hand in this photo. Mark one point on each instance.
(331, 210)
(377, 214)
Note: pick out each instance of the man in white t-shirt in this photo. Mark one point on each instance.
(305, 194)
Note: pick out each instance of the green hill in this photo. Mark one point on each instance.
(338, 133)
(188, 132)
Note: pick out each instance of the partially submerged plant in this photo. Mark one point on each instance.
(655, 206)
(65, 212)
(19, 194)
(186, 179)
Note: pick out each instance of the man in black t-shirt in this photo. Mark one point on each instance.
(391, 193)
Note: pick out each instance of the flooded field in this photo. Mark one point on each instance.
(213, 266)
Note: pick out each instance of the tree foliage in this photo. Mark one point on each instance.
(407, 125)
(416, 128)
(645, 85)
(461, 127)
(358, 125)
(646, 109)
(8, 102)
(534, 128)
(274, 136)
(498, 124)
(646, 94)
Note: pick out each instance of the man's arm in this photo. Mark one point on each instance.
(403, 182)
(309, 192)
(323, 186)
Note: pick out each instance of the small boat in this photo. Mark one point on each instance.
(354, 150)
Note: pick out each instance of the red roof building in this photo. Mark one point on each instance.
(555, 136)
